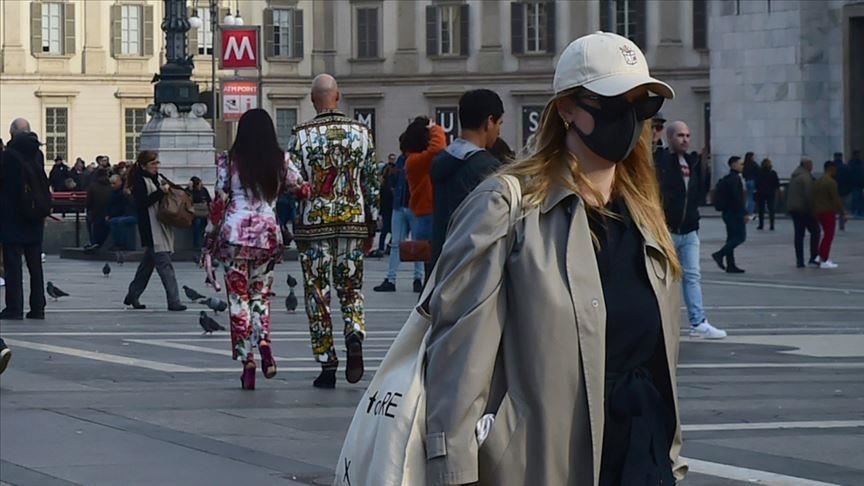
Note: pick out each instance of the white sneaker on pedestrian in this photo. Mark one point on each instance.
(828, 264)
(707, 331)
(43, 258)
(2, 282)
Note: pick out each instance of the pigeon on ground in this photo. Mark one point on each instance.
(55, 292)
(215, 304)
(120, 258)
(106, 270)
(291, 301)
(209, 324)
(292, 282)
(192, 295)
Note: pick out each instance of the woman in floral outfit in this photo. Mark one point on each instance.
(244, 234)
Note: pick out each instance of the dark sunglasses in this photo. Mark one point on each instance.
(645, 107)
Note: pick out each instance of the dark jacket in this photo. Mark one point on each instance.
(456, 171)
(799, 194)
(121, 204)
(751, 170)
(99, 198)
(23, 149)
(680, 202)
(142, 202)
(767, 183)
(200, 195)
(399, 183)
(732, 193)
(58, 176)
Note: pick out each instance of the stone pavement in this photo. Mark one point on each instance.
(100, 395)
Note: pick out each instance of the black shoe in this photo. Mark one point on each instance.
(813, 262)
(354, 369)
(734, 270)
(800, 265)
(719, 259)
(386, 286)
(11, 315)
(177, 308)
(376, 254)
(327, 379)
(5, 356)
(134, 304)
(418, 286)
(38, 315)
(760, 227)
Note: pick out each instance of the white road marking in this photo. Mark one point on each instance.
(827, 424)
(783, 286)
(201, 349)
(97, 356)
(709, 366)
(749, 475)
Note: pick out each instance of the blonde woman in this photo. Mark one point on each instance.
(563, 329)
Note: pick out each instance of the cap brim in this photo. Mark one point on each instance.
(619, 84)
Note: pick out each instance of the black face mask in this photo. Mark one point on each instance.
(617, 125)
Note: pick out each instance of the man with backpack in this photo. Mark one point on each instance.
(731, 199)
(25, 202)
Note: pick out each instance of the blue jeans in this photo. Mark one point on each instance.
(199, 224)
(687, 247)
(122, 231)
(402, 224)
(751, 192)
(422, 227)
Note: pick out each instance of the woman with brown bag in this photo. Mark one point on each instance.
(157, 238)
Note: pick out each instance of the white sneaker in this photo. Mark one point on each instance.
(43, 258)
(707, 331)
(2, 282)
(828, 264)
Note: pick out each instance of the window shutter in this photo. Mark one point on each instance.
(550, 28)
(373, 28)
(69, 28)
(147, 48)
(700, 24)
(640, 37)
(465, 29)
(116, 30)
(517, 27)
(268, 33)
(192, 37)
(298, 34)
(431, 30)
(36, 28)
(604, 16)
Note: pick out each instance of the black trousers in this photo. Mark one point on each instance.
(762, 202)
(32, 254)
(736, 234)
(805, 221)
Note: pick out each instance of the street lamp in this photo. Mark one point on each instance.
(175, 83)
(214, 25)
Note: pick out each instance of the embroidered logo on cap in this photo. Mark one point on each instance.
(629, 55)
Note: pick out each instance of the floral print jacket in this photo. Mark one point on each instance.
(242, 226)
(336, 156)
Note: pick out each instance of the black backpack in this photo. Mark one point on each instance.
(34, 200)
(721, 194)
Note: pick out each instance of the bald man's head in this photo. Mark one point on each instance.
(678, 137)
(325, 93)
(19, 126)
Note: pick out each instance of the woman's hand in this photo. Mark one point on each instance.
(210, 272)
(303, 191)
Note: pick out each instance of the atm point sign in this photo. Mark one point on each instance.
(240, 48)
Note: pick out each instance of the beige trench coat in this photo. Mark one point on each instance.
(535, 292)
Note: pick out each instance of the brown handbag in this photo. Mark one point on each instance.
(415, 251)
(175, 207)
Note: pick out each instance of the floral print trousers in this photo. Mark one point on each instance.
(344, 258)
(248, 283)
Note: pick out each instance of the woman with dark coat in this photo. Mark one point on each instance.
(156, 238)
(767, 184)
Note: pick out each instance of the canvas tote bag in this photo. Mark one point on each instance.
(175, 207)
(385, 441)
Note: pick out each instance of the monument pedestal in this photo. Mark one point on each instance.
(185, 142)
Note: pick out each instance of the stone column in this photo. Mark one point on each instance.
(405, 60)
(491, 55)
(94, 54)
(667, 29)
(323, 37)
(14, 53)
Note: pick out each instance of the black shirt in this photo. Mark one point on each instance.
(637, 426)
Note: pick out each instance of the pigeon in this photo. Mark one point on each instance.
(55, 292)
(208, 323)
(215, 304)
(292, 282)
(120, 258)
(291, 301)
(106, 270)
(192, 295)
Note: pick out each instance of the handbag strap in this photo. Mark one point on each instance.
(167, 180)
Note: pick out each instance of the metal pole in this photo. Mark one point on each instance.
(214, 14)
(611, 11)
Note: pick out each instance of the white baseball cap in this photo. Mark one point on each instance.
(606, 64)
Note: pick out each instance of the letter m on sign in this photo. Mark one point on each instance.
(239, 48)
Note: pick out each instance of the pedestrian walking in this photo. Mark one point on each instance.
(467, 161)
(767, 184)
(200, 201)
(245, 235)
(683, 178)
(799, 203)
(591, 250)
(385, 213)
(731, 200)
(336, 155)
(157, 238)
(98, 201)
(25, 202)
(828, 207)
(750, 173)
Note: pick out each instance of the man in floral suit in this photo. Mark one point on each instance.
(336, 156)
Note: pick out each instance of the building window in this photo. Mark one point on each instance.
(52, 28)
(134, 121)
(283, 34)
(532, 27)
(205, 33)
(286, 118)
(535, 27)
(700, 24)
(56, 133)
(447, 30)
(629, 19)
(367, 32)
(130, 31)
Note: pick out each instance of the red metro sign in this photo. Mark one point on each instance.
(239, 48)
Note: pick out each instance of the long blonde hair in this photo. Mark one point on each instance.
(545, 161)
